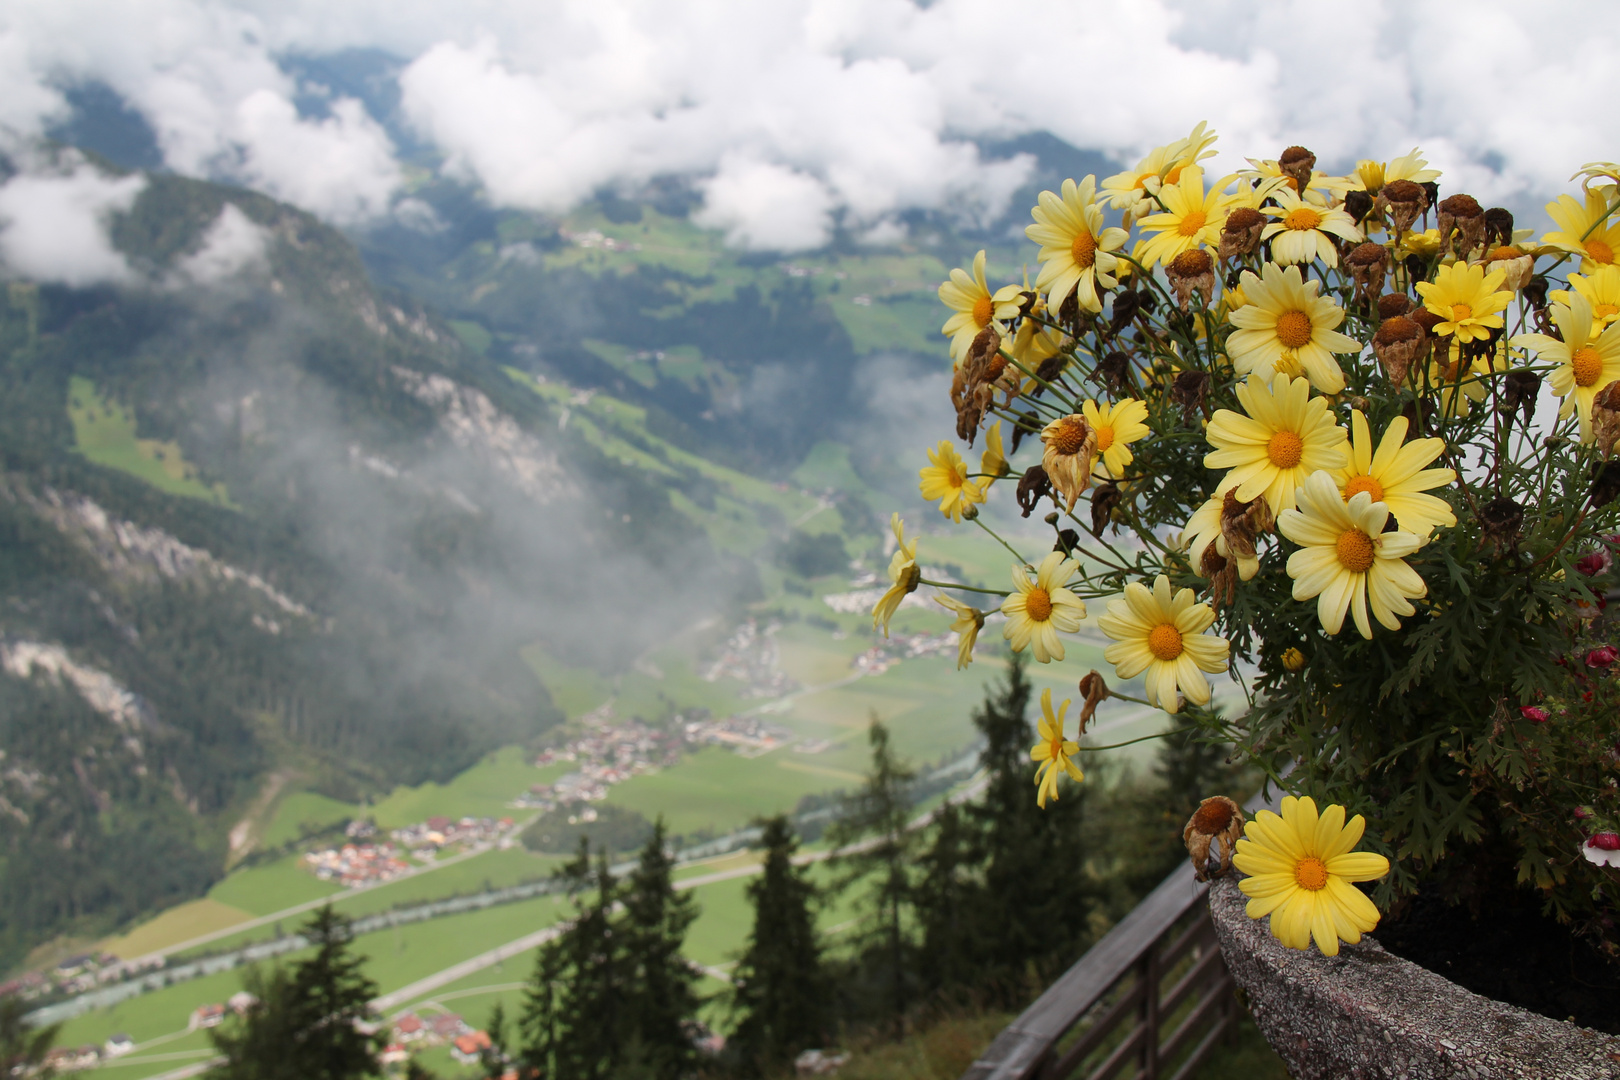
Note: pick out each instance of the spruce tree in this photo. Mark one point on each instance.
(874, 828)
(661, 995)
(946, 898)
(309, 1021)
(22, 1047)
(1032, 915)
(781, 992)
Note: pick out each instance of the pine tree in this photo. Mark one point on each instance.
(309, 1021)
(22, 1048)
(781, 991)
(946, 899)
(662, 998)
(874, 826)
(1031, 918)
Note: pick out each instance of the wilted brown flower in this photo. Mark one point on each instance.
(1192, 269)
(1222, 575)
(1241, 234)
(1605, 482)
(1461, 217)
(1115, 369)
(973, 384)
(1296, 163)
(1403, 201)
(1606, 418)
(1241, 524)
(1217, 818)
(1519, 390)
(1368, 263)
(1358, 204)
(1103, 501)
(1189, 390)
(1518, 265)
(1499, 524)
(1400, 343)
(1498, 227)
(1095, 692)
(1071, 449)
(1393, 304)
(1031, 486)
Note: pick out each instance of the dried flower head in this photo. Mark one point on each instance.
(1400, 343)
(1031, 486)
(973, 384)
(1605, 482)
(1216, 819)
(1296, 163)
(1189, 390)
(1498, 227)
(1393, 304)
(1191, 270)
(1403, 201)
(1519, 390)
(1104, 498)
(1499, 523)
(1368, 264)
(1462, 224)
(1606, 418)
(1071, 449)
(1241, 233)
(1095, 691)
(1115, 370)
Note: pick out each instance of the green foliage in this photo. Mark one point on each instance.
(611, 828)
(781, 992)
(309, 1021)
(22, 1047)
(813, 554)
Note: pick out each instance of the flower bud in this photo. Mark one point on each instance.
(1293, 660)
(1534, 713)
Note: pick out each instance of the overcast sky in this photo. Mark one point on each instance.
(790, 112)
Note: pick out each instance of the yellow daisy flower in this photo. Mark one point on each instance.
(1469, 300)
(1302, 231)
(1132, 190)
(1193, 218)
(1413, 242)
(1300, 868)
(1579, 230)
(1054, 752)
(903, 573)
(1286, 327)
(1117, 426)
(1163, 635)
(1459, 387)
(1038, 609)
(1372, 175)
(973, 306)
(1587, 360)
(946, 478)
(1601, 289)
(1347, 560)
(1594, 171)
(1395, 475)
(993, 463)
(969, 621)
(1076, 251)
(1287, 436)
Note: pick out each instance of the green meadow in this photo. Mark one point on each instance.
(104, 432)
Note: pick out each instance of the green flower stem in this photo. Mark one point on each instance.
(1144, 738)
(963, 588)
(979, 521)
(1059, 393)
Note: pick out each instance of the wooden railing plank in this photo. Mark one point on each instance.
(1206, 1045)
(1094, 1035)
(1123, 1053)
(1191, 981)
(1211, 1003)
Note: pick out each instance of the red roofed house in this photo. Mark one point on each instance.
(466, 1048)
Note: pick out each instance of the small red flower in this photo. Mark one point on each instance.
(1605, 841)
(1595, 563)
(1534, 713)
(1602, 656)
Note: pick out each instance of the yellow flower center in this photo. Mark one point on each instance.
(1285, 449)
(1355, 551)
(1084, 250)
(1311, 873)
(1038, 604)
(1587, 365)
(1164, 641)
(1598, 251)
(1364, 483)
(1069, 437)
(1174, 175)
(1606, 311)
(1105, 438)
(1459, 312)
(1503, 253)
(1054, 748)
(1302, 219)
(1294, 329)
(983, 308)
(1191, 223)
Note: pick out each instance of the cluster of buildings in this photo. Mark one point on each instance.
(412, 1032)
(75, 975)
(356, 864)
(747, 735)
(207, 1016)
(426, 839)
(885, 654)
(751, 657)
(608, 752)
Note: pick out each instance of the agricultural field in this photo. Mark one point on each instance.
(104, 432)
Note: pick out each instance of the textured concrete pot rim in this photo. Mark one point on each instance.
(1367, 1013)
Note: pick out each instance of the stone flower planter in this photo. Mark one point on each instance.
(1370, 1014)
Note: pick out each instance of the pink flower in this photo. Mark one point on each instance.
(1597, 562)
(1582, 813)
(1603, 849)
(1534, 713)
(1602, 656)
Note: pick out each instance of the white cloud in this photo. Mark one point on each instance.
(232, 244)
(876, 103)
(53, 225)
(763, 206)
